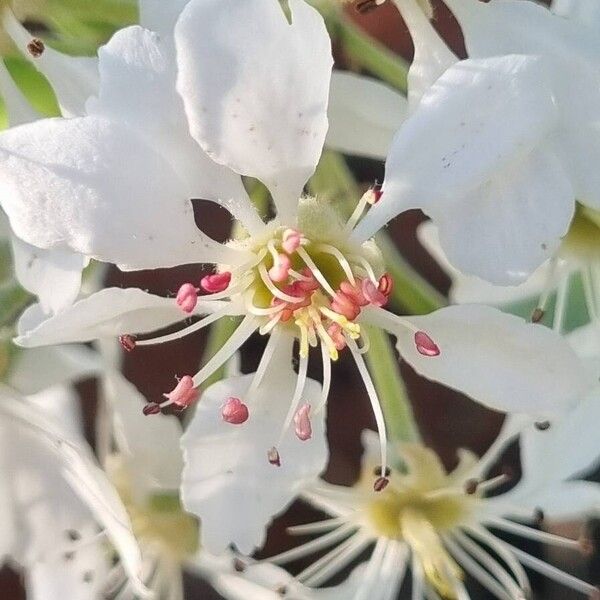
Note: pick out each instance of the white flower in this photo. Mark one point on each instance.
(437, 524)
(59, 509)
(116, 186)
(497, 147)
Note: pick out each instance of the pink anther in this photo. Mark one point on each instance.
(234, 411)
(280, 270)
(386, 284)
(337, 336)
(127, 342)
(183, 394)
(291, 240)
(218, 282)
(345, 305)
(302, 423)
(187, 297)
(372, 293)
(425, 345)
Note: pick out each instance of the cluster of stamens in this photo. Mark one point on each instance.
(307, 280)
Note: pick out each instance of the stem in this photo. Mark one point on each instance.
(383, 365)
(13, 299)
(365, 51)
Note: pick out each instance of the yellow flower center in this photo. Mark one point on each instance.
(418, 507)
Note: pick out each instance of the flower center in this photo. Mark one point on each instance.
(418, 507)
(157, 519)
(583, 238)
(313, 287)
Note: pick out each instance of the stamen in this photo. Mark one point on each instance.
(316, 272)
(184, 393)
(365, 6)
(187, 297)
(36, 47)
(380, 484)
(328, 249)
(291, 240)
(386, 284)
(337, 336)
(345, 305)
(273, 457)
(326, 380)
(274, 289)
(302, 423)
(246, 328)
(562, 295)
(537, 315)
(280, 269)
(234, 411)
(300, 383)
(364, 263)
(218, 282)
(372, 294)
(378, 413)
(316, 527)
(265, 329)
(425, 345)
(128, 342)
(152, 408)
(532, 534)
(163, 339)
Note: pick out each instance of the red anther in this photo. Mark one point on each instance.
(380, 484)
(187, 297)
(127, 342)
(354, 292)
(184, 392)
(372, 294)
(425, 345)
(307, 286)
(291, 240)
(386, 284)
(280, 270)
(345, 305)
(234, 411)
(273, 457)
(335, 333)
(152, 408)
(213, 284)
(302, 423)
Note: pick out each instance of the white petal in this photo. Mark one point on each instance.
(160, 15)
(364, 114)
(479, 117)
(54, 275)
(255, 89)
(51, 466)
(505, 229)
(73, 78)
(565, 501)
(136, 437)
(497, 359)
(571, 446)
(469, 289)
(431, 55)
(80, 578)
(36, 369)
(574, 55)
(94, 186)
(227, 479)
(108, 313)
(137, 86)
(585, 12)
(18, 109)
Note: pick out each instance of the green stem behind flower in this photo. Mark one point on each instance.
(334, 181)
(365, 51)
(383, 366)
